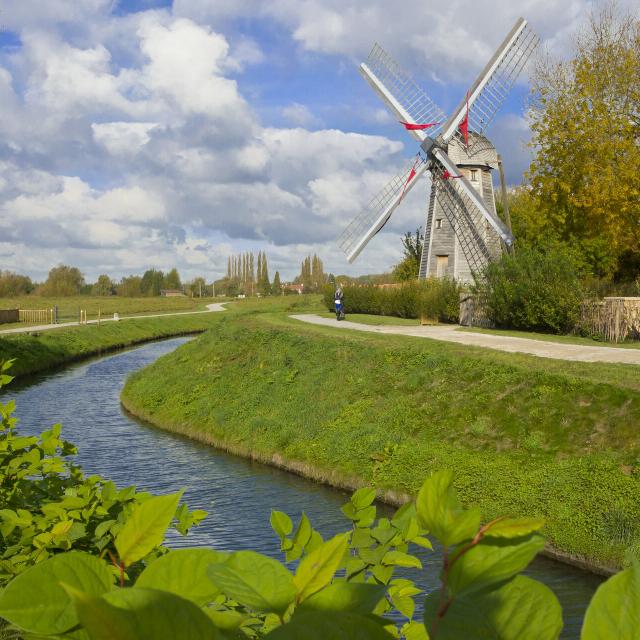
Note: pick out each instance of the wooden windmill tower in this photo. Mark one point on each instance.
(462, 230)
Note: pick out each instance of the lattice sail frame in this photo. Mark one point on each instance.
(419, 107)
(375, 215)
(485, 106)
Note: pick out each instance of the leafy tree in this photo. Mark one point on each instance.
(586, 130)
(130, 287)
(172, 280)
(152, 282)
(264, 285)
(198, 287)
(13, 284)
(62, 281)
(276, 287)
(103, 287)
(408, 267)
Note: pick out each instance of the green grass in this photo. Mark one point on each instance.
(108, 305)
(590, 342)
(48, 349)
(524, 435)
(364, 318)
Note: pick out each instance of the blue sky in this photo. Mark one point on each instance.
(140, 134)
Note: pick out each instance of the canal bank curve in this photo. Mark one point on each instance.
(238, 493)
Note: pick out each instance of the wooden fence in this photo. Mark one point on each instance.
(9, 315)
(614, 319)
(36, 315)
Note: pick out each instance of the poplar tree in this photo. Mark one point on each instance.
(276, 288)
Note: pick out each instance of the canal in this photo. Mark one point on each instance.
(238, 494)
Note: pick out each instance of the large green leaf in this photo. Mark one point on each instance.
(514, 527)
(440, 512)
(35, 601)
(614, 611)
(146, 527)
(344, 596)
(142, 614)
(257, 582)
(317, 569)
(363, 497)
(281, 523)
(492, 560)
(184, 572)
(330, 626)
(520, 609)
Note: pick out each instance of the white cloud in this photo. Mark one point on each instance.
(122, 138)
(300, 115)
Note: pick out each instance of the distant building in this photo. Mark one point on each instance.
(171, 293)
(298, 288)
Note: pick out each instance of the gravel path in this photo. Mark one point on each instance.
(449, 333)
(214, 306)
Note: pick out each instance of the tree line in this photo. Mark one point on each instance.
(65, 280)
(248, 274)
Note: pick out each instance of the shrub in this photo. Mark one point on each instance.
(434, 298)
(533, 290)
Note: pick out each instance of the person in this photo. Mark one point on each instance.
(338, 297)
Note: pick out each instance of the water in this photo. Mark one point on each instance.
(238, 494)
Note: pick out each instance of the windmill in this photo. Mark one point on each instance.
(461, 216)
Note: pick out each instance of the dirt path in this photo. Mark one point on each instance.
(214, 306)
(541, 348)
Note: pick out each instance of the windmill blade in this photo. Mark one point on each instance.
(488, 93)
(404, 98)
(376, 214)
(467, 194)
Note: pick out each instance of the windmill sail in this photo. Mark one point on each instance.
(490, 90)
(404, 98)
(376, 214)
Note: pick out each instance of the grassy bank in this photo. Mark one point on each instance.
(48, 349)
(524, 435)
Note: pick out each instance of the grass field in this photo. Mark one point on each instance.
(524, 435)
(49, 349)
(68, 308)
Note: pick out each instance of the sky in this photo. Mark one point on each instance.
(149, 133)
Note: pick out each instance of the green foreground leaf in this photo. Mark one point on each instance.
(614, 611)
(36, 602)
(520, 609)
(146, 527)
(185, 573)
(255, 581)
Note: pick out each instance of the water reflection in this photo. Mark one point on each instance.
(237, 493)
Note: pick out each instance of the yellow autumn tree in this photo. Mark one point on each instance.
(585, 178)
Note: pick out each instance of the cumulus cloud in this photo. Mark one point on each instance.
(134, 140)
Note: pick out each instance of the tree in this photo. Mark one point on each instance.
(408, 267)
(103, 286)
(586, 129)
(197, 287)
(276, 287)
(264, 285)
(130, 287)
(13, 284)
(172, 280)
(152, 282)
(62, 281)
